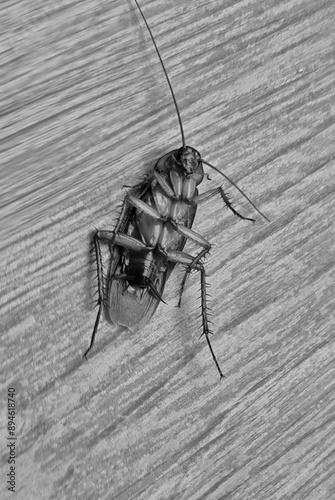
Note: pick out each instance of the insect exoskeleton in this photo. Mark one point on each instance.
(149, 238)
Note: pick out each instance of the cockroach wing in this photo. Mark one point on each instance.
(126, 309)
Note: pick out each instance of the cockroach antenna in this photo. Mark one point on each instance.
(179, 117)
(165, 73)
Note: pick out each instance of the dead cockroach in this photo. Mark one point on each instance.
(150, 235)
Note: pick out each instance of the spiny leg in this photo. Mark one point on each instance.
(188, 270)
(109, 236)
(123, 218)
(212, 192)
(179, 228)
(141, 187)
(184, 258)
(200, 199)
(112, 238)
(100, 290)
(206, 330)
(182, 285)
(230, 206)
(236, 186)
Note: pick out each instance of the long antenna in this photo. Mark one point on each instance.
(166, 75)
(236, 186)
(179, 117)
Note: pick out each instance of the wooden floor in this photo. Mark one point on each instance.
(85, 109)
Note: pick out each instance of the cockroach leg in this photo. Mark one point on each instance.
(123, 215)
(206, 330)
(180, 228)
(164, 184)
(218, 190)
(113, 239)
(140, 187)
(230, 206)
(183, 283)
(144, 207)
(236, 186)
(189, 268)
(97, 249)
(191, 235)
(184, 258)
(198, 200)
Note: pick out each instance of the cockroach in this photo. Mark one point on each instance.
(149, 238)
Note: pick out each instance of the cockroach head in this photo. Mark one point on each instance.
(189, 158)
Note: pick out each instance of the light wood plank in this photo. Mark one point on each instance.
(85, 110)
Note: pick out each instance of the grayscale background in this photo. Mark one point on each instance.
(85, 109)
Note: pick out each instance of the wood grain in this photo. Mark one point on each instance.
(85, 109)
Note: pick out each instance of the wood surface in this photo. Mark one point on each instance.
(85, 109)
